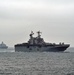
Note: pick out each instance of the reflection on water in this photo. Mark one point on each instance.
(7, 50)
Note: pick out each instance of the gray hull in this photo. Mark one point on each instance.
(41, 49)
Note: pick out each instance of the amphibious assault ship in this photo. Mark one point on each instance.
(37, 44)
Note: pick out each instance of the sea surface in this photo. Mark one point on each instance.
(36, 63)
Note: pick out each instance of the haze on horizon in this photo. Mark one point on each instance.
(54, 18)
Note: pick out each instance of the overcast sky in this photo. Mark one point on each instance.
(54, 18)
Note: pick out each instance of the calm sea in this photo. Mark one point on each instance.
(36, 63)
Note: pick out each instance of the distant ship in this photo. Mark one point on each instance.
(3, 46)
(37, 44)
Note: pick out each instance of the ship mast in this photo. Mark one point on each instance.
(39, 34)
(31, 35)
(31, 38)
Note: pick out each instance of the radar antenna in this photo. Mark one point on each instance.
(39, 33)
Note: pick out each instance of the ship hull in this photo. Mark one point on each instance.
(22, 48)
(3, 47)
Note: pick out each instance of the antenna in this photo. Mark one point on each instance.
(39, 33)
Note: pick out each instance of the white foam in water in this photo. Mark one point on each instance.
(35, 63)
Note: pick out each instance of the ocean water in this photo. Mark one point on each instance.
(36, 63)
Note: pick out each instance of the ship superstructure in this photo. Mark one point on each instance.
(35, 44)
(36, 40)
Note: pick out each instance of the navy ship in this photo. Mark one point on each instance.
(3, 46)
(37, 44)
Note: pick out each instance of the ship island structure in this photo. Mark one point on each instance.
(37, 44)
